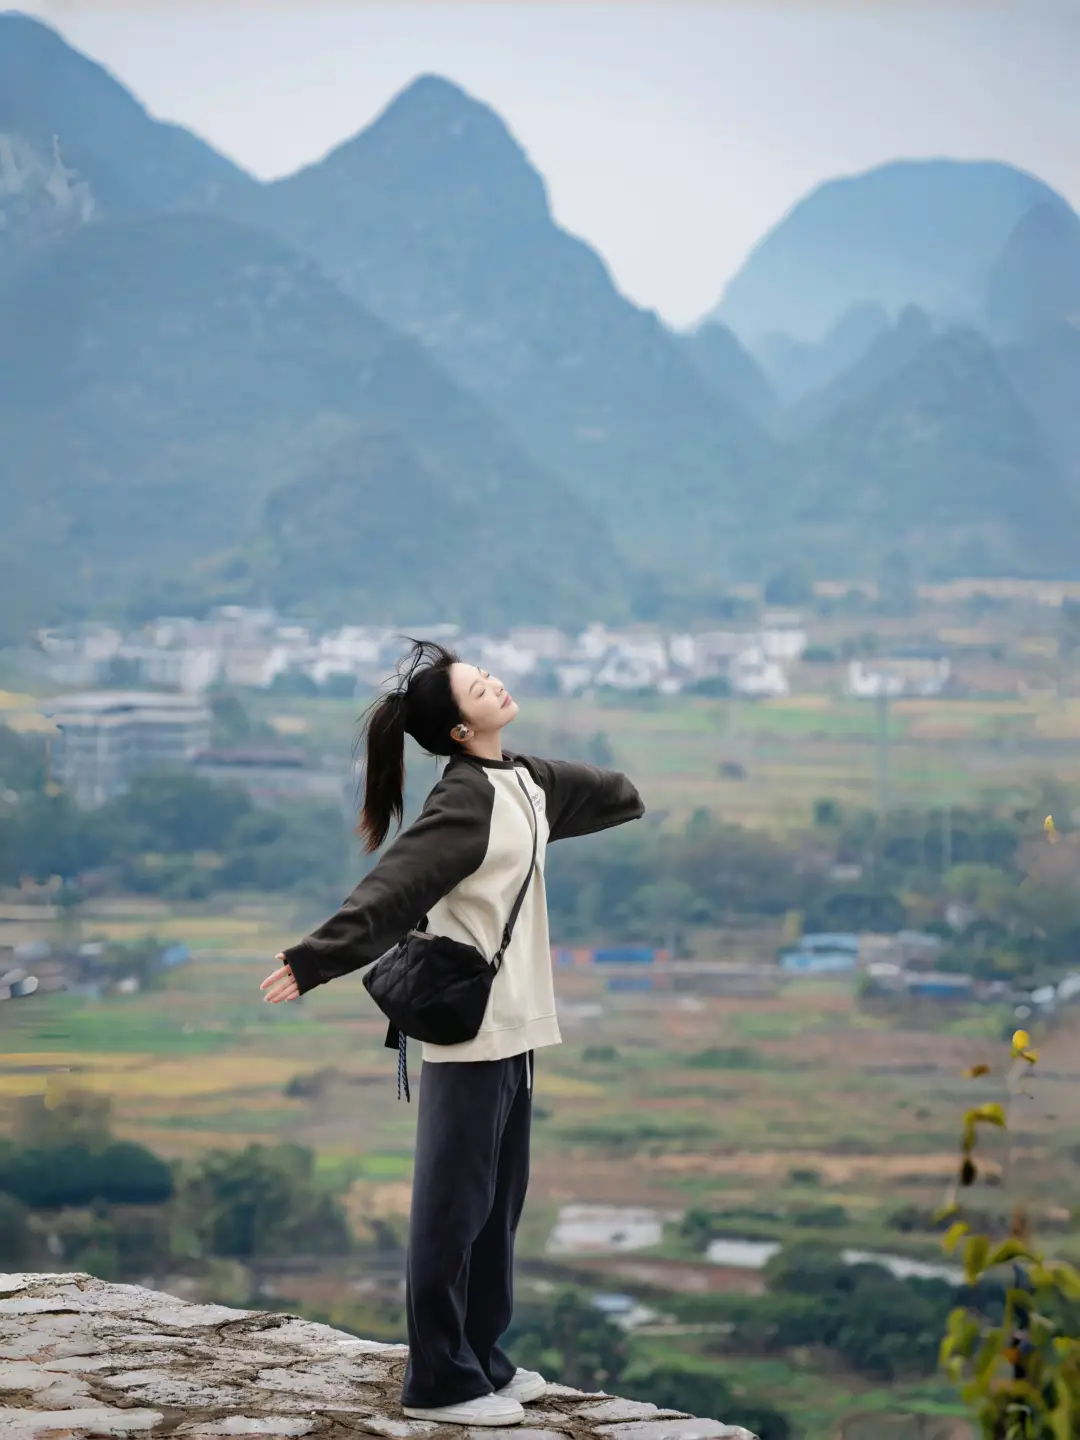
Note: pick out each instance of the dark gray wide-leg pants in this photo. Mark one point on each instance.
(469, 1184)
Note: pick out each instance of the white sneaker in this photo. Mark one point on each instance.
(525, 1386)
(484, 1410)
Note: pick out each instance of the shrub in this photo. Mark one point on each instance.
(1019, 1369)
(725, 1057)
(15, 1238)
(708, 1396)
(122, 1173)
(821, 1217)
(261, 1201)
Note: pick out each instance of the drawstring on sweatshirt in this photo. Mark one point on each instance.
(529, 1070)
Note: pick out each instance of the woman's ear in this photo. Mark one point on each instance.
(460, 732)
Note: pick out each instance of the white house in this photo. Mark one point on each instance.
(784, 645)
(188, 668)
(255, 665)
(754, 676)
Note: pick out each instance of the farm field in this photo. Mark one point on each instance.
(797, 1115)
(763, 1109)
(791, 751)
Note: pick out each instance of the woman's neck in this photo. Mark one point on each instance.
(486, 747)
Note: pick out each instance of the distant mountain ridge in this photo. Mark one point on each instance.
(434, 217)
(391, 380)
(910, 232)
(1035, 284)
(941, 459)
(886, 355)
(729, 368)
(131, 162)
(165, 381)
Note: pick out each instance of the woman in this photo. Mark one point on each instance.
(462, 865)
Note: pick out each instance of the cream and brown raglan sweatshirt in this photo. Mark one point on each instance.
(461, 865)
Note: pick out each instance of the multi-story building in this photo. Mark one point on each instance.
(107, 738)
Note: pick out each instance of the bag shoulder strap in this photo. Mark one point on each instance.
(508, 928)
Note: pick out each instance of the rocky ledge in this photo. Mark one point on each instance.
(80, 1357)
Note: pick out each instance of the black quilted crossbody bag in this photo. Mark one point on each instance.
(435, 989)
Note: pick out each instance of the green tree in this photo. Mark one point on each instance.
(261, 1201)
(22, 761)
(122, 1173)
(827, 812)
(572, 1340)
(793, 585)
(696, 1229)
(16, 1241)
(1019, 1368)
(664, 908)
(232, 723)
(176, 813)
(294, 683)
(707, 1395)
(53, 837)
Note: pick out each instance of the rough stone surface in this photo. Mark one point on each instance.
(681, 1429)
(611, 1410)
(83, 1358)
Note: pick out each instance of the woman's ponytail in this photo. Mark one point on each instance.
(384, 769)
(422, 705)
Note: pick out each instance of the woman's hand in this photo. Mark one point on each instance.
(280, 985)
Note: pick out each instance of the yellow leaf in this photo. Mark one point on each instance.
(1063, 1276)
(1051, 829)
(953, 1235)
(1012, 1249)
(961, 1335)
(991, 1114)
(975, 1253)
(986, 1357)
(1021, 1041)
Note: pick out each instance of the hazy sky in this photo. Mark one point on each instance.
(671, 135)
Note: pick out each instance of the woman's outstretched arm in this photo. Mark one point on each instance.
(582, 799)
(446, 843)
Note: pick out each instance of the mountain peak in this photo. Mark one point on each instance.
(1035, 285)
(18, 23)
(924, 232)
(431, 89)
(27, 30)
(38, 69)
(433, 146)
(131, 162)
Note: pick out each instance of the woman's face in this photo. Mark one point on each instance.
(484, 701)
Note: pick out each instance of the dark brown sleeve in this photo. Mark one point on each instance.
(446, 843)
(582, 799)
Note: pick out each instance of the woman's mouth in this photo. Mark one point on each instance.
(506, 700)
